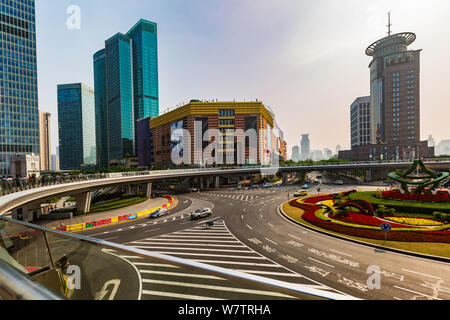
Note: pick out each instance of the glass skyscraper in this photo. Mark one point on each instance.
(126, 90)
(76, 125)
(19, 114)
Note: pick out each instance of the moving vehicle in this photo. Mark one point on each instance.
(253, 186)
(159, 213)
(339, 182)
(301, 193)
(201, 213)
(267, 185)
(305, 186)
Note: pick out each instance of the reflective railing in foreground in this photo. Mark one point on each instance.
(43, 264)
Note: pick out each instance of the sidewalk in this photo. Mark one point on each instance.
(146, 205)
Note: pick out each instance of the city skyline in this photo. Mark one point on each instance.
(232, 68)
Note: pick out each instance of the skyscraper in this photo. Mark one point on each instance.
(19, 115)
(127, 90)
(295, 154)
(305, 148)
(76, 124)
(360, 121)
(44, 140)
(394, 102)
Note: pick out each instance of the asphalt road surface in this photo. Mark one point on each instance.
(251, 236)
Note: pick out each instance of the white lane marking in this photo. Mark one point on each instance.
(155, 222)
(261, 216)
(415, 292)
(345, 254)
(271, 241)
(249, 227)
(422, 274)
(239, 263)
(294, 275)
(208, 255)
(177, 274)
(107, 239)
(271, 225)
(177, 295)
(152, 230)
(165, 221)
(148, 264)
(290, 235)
(246, 198)
(242, 216)
(329, 265)
(174, 219)
(218, 288)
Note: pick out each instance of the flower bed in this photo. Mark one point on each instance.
(415, 221)
(359, 225)
(396, 194)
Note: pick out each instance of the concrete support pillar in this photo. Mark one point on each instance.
(83, 201)
(202, 186)
(217, 182)
(130, 189)
(285, 178)
(27, 213)
(368, 175)
(148, 190)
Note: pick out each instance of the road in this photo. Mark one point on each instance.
(250, 235)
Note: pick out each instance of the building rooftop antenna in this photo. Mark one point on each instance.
(389, 24)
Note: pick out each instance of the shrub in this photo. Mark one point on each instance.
(382, 210)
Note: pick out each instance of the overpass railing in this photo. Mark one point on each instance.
(9, 185)
(37, 263)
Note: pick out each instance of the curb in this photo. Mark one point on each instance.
(410, 253)
(80, 227)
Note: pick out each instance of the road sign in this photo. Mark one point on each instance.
(386, 227)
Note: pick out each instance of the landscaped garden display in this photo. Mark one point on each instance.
(419, 214)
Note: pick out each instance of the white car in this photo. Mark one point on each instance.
(339, 182)
(201, 213)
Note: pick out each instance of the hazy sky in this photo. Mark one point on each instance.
(305, 59)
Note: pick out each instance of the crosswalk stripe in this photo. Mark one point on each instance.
(270, 265)
(208, 255)
(200, 237)
(219, 288)
(177, 274)
(177, 295)
(148, 264)
(197, 240)
(196, 249)
(188, 244)
(271, 273)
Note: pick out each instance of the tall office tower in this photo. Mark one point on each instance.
(44, 140)
(76, 124)
(127, 90)
(19, 115)
(360, 121)
(394, 102)
(305, 148)
(295, 154)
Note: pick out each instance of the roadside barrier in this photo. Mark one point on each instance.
(101, 223)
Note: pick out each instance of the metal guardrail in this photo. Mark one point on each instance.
(25, 288)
